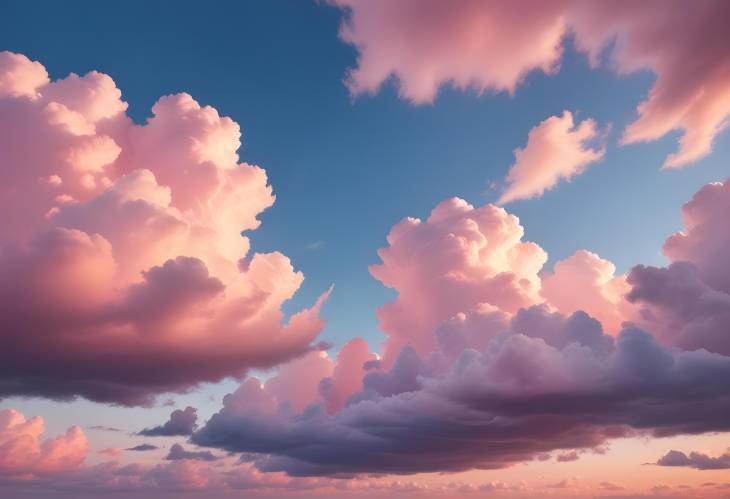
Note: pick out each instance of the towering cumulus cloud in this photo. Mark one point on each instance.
(488, 363)
(123, 269)
(426, 44)
(456, 259)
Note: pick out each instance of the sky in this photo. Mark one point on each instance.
(377, 248)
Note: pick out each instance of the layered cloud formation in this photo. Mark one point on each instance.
(123, 269)
(426, 44)
(489, 362)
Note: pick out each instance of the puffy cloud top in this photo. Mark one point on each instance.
(459, 257)
(24, 453)
(181, 422)
(479, 372)
(696, 460)
(688, 303)
(144, 224)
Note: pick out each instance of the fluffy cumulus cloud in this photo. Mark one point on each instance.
(426, 44)
(181, 422)
(557, 149)
(456, 259)
(24, 453)
(688, 303)
(489, 362)
(126, 273)
(696, 460)
(705, 239)
(585, 281)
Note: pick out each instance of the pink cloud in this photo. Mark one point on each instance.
(426, 44)
(685, 45)
(488, 362)
(144, 223)
(24, 453)
(585, 281)
(556, 150)
(311, 379)
(347, 375)
(19, 76)
(297, 382)
(456, 259)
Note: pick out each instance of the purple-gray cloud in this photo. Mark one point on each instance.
(697, 460)
(181, 422)
(525, 394)
(178, 452)
(143, 447)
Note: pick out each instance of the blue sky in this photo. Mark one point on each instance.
(344, 171)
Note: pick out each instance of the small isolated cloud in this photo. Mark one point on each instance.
(567, 457)
(557, 149)
(143, 447)
(181, 422)
(314, 246)
(105, 428)
(177, 452)
(697, 460)
(111, 451)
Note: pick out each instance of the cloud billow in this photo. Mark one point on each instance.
(144, 223)
(181, 422)
(487, 363)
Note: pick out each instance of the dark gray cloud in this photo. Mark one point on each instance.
(181, 422)
(143, 447)
(680, 307)
(563, 386)
(695, 460)
(178, 452)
